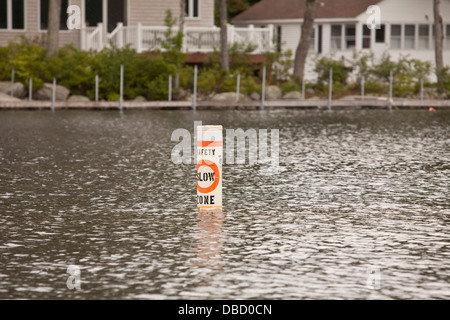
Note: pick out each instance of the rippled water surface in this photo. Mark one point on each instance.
(358, 209)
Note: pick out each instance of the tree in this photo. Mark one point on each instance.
(224, 59)
(303, 46)
(439, 39)
(181, 35)
(54, 11)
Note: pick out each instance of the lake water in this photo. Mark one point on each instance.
(359, 208)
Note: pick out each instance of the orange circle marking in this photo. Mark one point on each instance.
(214, 168)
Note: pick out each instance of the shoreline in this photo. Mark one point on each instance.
(230, 105)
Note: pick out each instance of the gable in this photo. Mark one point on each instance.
(295, 9)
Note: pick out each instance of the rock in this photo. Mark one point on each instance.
(78, 98)
(45, 93)
(273, 93)
(255, 96)
(293, 95)
(350, 98)
(140, 99)
(310, 91)
(229, 96)
(181, 95)
(18, 89)
(7, 97)
(314, 98)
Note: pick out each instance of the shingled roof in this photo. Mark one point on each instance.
(295, 9)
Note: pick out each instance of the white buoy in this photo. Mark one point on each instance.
(209, 168)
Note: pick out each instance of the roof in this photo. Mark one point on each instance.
(295, 9)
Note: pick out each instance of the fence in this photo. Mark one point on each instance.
(195, 39)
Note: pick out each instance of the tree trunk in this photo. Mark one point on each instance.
(303, 46)
(224, 60)
(54, 10)
(176, 84)
(439, 39)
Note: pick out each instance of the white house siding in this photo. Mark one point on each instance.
(153, 12)
(392, 12)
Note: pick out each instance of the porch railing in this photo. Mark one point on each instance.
(195, 39)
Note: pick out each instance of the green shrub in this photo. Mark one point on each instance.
(340, 71)
(290, 86)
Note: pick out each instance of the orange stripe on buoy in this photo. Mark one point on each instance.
(205, 144)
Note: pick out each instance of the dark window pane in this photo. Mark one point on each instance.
(3, 14)
(424, 30)
(18, 21)
(44, 14)
(410, 30)
(396, 30)
(380, 34)
(186, 7)
(366, 31)
(336, 31)
(62, 17)
(350, 31)
(195, 8)
(94, 12)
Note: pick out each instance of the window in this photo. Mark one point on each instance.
(410, 36)
(396, 36)
(447, 37)
(191, 8)
(424, 36)
(12, 14)
(94, 12)
(350, 36)
(366, 38)
(3, 14)
(278, 38)
(312, 41)
(18, 18)
(63, 14)
(336, 37)
(380, 34)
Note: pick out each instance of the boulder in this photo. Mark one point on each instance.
(273, 93)
(293, 95)
(140, 99)
(350, 98)
(255, 96)
(45, 93)
(18, 89)
(7, 97)
(310, 91)
(229, 96)
(78, 98)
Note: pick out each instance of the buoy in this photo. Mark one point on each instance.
(432, 109)
(209, 168)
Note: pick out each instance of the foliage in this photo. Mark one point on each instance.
(340, 71)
